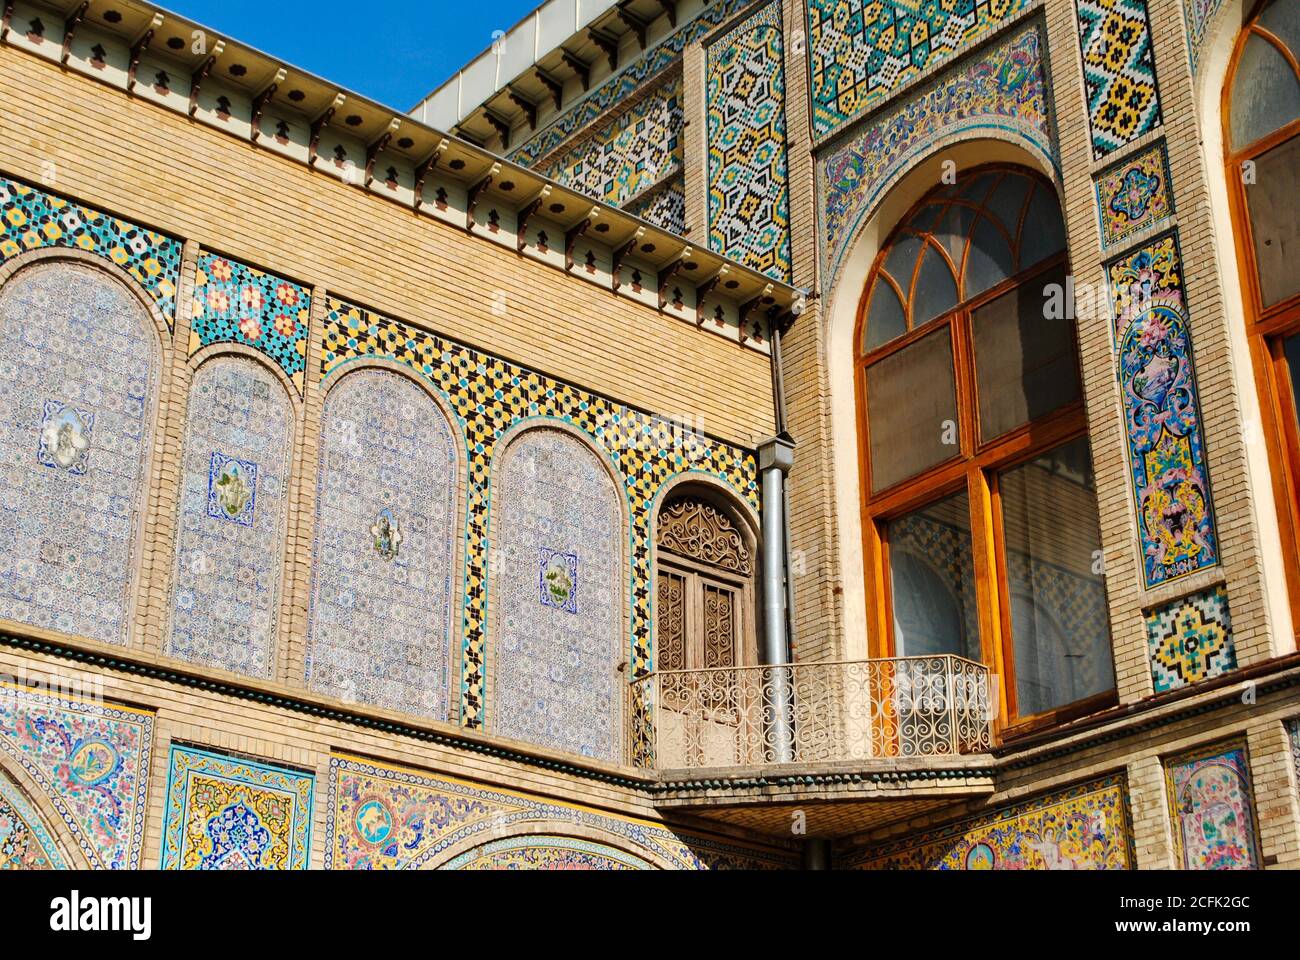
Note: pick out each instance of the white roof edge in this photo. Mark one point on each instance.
(526, 35)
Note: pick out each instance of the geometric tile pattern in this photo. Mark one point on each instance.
(80, 365)
(1158, 381)
(1190, 640)
(228, 813)
(1211, 810)
(1085, 827)
(31, 219)
(488, 396)
(25, 841)
(1118, 71)
(628, 153)
(861, 51)
(386, 817)
(235, 303)
(1293, 735)
(231, 517)
(559, 625)
(1002, 91)
(92, 762)
(545, 853)
(379, 628)
(620, 88)
(665, 206)
(1134, 195)
(749, 211)
(1197, 15)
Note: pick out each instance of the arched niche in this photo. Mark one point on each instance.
(556, 598)
(80, 367)
(383, 596)
(232, 513)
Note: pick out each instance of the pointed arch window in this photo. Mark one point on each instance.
(705, 587)
(979, 507)
(1261, 119)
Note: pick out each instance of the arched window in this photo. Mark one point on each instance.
(1261, 118)
(705, 590)
(80, 362)
(379, 630)
(976, 473)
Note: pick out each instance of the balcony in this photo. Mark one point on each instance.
(872, 738)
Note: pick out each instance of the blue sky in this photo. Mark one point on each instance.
(393, 51)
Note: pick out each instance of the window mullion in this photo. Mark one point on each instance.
(990, 580)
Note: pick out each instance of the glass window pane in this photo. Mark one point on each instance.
(1059, 622)
(1283, 21)
(1265, 93)
(912, 410)
(932, 578)
(1274, 203)
(989, 261)
(1024, 360)
(1044, 233)
(885, 319)
(1008, 201)
(1291, 347)
(936, 290)
(953, 230)
(900, 262)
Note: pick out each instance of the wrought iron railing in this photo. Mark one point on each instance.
(811, 712)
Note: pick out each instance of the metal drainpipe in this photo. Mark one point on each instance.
(816, 853)
(775, 457)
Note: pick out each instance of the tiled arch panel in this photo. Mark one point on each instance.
(32, 219)
(80, 366)
(379, 630)
(1000, 91)
(230, 529)
(558, 542)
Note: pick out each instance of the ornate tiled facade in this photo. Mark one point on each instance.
(1197, 15)
(861, 51)
(628, 154)
(228, 813)
(1002, 93)
(1119, 72)
(1134, 195)
(382, 817)
(1190, 640)
(225, 599)
(381, 603)
(236, 303)
(92, 762)
(749, 207)
(488, 396)
(1211, 809)
(80, 363)
(665, 206)
(25, 840)
(623, 85)
(546, 853)
(558, 549)
(1167, 458)
(31, 219)
(1083, 828)
(1293, 738)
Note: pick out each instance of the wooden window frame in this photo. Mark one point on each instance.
(973, 468)
(1267, 327)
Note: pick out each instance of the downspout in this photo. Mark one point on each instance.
(775, 457)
